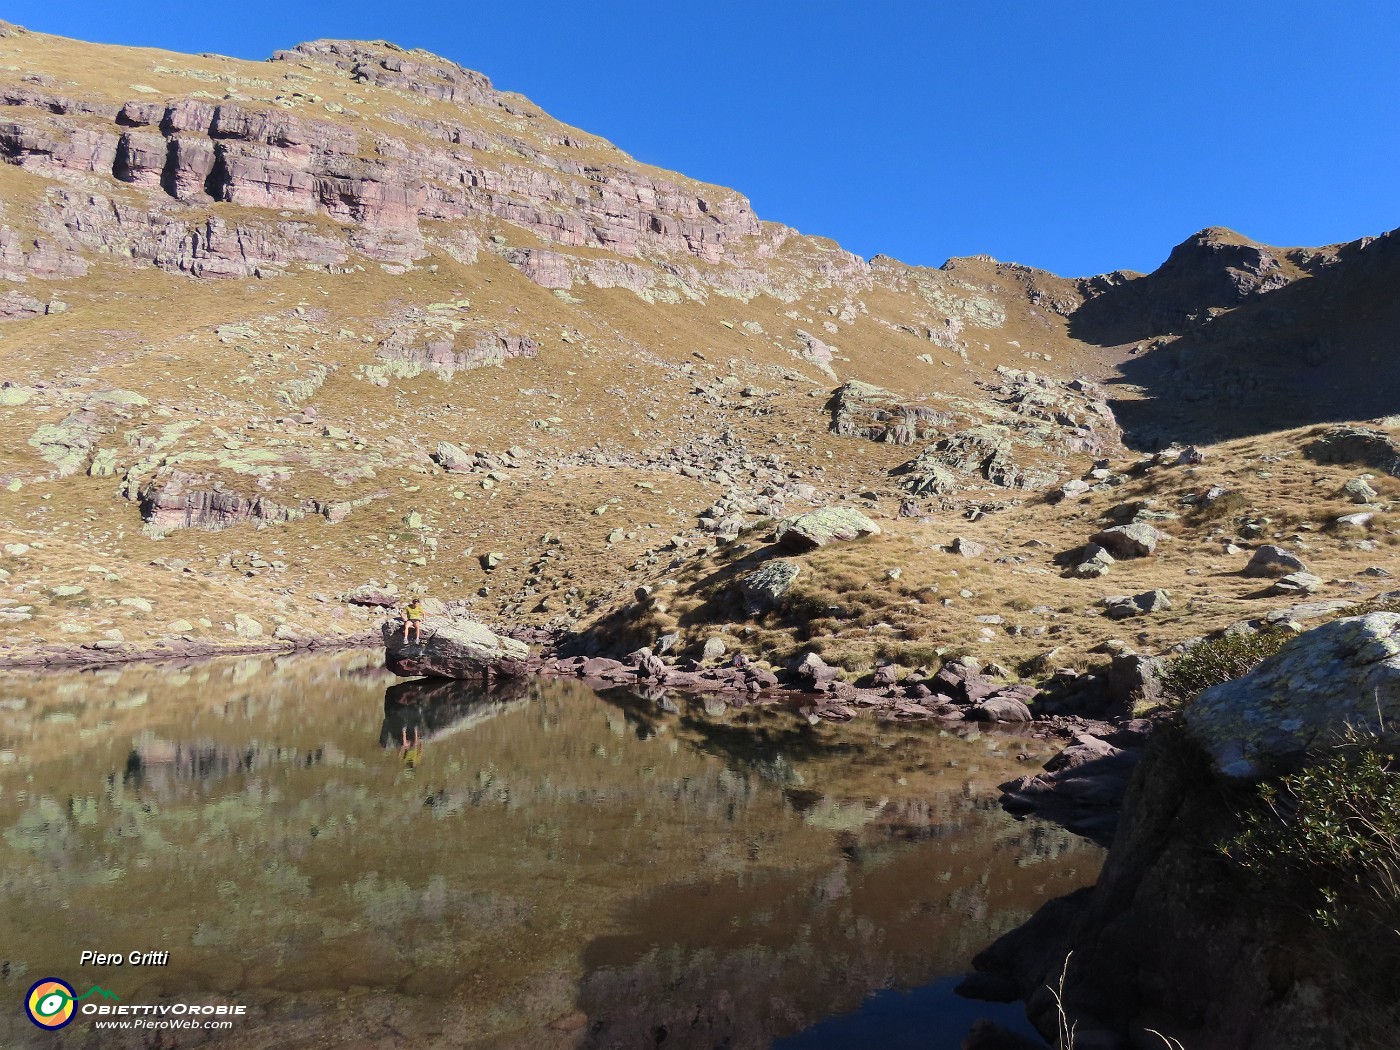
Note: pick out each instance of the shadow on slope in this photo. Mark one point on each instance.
(1287, 353)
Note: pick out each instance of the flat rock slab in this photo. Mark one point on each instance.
(826, 525)
(454, 648)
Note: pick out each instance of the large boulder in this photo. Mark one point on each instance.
(1269, 560)
(1339, 678)
(453, 648)
(825, 525)
(765, 586)
(1000, 709)
(1127, 541)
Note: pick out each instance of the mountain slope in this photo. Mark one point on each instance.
(278, 330)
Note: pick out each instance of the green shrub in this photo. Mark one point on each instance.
(1327, 841)
(1334, 828)
(1217, 660)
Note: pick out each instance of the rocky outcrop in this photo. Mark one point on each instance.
(863, 410)
(1008, 442)
(386, 65)
(441, 352)
(1176, 936)
(193, 152)
(1338, 678)
(1213, 269)
(1354, 444)
(453, 648)
(69, 443)
(547, 269)
(176, 499)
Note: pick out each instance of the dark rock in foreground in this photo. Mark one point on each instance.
(454, 649)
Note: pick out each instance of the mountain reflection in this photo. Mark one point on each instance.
(550, 867)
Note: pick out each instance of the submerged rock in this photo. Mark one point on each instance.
(453, 648)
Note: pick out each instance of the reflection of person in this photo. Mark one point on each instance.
(412, 753)
(413, 614)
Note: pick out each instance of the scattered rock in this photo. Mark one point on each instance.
(453, 458)
(246, 627)
(1358, 490)
(1095, 562)
(1296, 583)
(373, 595)
(813, 674)
(967, 548)
(1120, 607)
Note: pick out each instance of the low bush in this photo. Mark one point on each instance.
(1327, 840)
(1217, 660)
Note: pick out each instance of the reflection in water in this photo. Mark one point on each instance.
(561, 868)
(426, 708)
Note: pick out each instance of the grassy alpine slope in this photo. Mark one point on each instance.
(253, 308)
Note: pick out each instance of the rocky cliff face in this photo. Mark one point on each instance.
(196, 151)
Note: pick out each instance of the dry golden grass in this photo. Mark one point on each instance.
(620, 373)
(846, 606)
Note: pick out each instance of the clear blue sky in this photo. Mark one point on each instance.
(1077, 135)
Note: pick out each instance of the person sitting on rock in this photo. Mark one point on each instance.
(413, 614)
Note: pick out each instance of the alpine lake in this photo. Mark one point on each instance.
(362, 861)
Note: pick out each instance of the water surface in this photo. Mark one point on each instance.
(362, 861)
